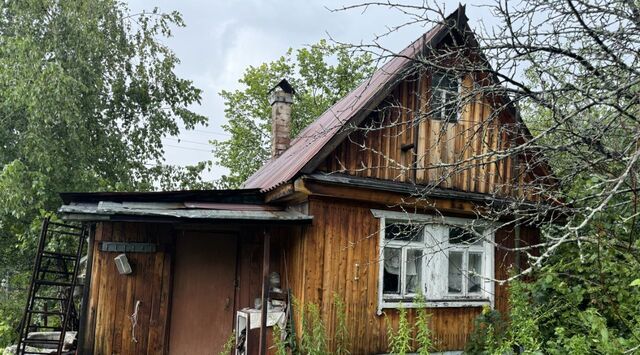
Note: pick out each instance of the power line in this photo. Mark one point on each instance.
(187, 148)
(188, 141)
(205, 131)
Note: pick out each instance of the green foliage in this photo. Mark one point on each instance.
(320, 74)
(570, 307)
(313, 340)
(488, 328)
(423, 332)
(523, 332)
(229, 345)
(342, 332)
(87, 91)
(279, 343)
(399, 340)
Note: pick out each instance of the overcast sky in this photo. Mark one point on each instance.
(223, 37)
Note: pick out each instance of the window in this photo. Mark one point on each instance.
(445, 96)
(403, 261)
(448, 260)
(465, 253)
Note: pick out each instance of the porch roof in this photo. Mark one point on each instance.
(176, 211)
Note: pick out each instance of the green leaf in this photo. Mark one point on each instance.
(321, 74)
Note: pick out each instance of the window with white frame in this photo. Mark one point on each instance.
(445, 94)
(447, 260)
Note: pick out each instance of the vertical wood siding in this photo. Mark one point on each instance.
(338, 254)
(461, 155)
(112, 296)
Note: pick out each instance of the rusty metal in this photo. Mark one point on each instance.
(104, 209)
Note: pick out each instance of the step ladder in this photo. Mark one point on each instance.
(50, 302)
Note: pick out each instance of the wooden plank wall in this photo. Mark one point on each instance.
(458, 155)
(112, 296)
(338, 254)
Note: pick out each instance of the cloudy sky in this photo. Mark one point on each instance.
(223, 37)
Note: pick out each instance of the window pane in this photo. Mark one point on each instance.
(443, 81)
(455, 272)
(458, 235)
(404, 232)
(475, 270)
(451, 107)
(437, 104)
(444, 97)
(391, 278)
(413, 271)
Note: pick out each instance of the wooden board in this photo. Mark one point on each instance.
(465, 155)
(203, 296)
(112, 297)
(338, 255)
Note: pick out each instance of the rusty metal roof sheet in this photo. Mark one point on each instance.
(315, 136)
(105, 210)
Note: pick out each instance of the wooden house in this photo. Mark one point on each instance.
(360, 206)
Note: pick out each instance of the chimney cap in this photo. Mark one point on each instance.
(285, 86)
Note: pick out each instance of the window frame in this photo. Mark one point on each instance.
(403, 246)
(441, 113)
(435, 299)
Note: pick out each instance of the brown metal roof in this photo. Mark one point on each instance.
(318, 134)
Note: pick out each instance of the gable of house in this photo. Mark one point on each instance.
(385, 129)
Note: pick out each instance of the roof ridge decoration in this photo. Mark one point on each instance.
(319, 138)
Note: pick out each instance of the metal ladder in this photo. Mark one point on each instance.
(50, 305)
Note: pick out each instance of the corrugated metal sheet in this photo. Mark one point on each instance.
(231, 206)
(313, 138)
(103, 209)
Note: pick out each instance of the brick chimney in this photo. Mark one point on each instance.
(281, 98)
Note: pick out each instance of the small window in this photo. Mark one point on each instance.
(404, 232)
(466, 252)
(413, 271)
(392, 261)
(403, 264)
(455, 272)
(445, 97)
(465, 236)
(475, 271)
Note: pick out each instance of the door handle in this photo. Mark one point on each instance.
(227, 303)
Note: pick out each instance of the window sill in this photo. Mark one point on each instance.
(457, 303)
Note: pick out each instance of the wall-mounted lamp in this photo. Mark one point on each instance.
(122, 263)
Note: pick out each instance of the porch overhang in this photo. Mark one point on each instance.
(180, 211)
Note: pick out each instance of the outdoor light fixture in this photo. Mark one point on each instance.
(122, 263)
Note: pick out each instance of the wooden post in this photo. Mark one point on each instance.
(516, 246)
(265, 293)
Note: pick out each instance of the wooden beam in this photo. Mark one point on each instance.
(265, 292)
(285, 194)
(387, 198)
(84, 314)
(279, 192)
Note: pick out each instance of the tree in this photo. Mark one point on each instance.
(320, 75)
(87, 91)
(572, 69)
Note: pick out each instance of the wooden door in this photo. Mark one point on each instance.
(113, 297)
(202, 308)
